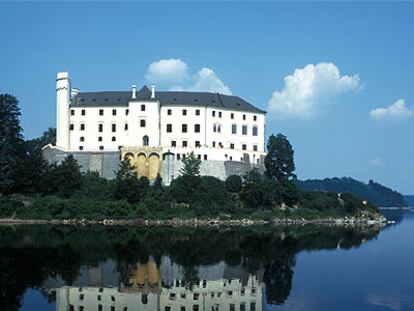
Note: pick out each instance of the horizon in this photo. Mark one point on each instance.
(342, 97)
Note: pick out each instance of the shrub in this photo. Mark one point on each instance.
(234, 183)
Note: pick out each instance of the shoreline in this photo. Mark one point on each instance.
(346, 221)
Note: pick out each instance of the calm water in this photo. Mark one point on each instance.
(196, 269)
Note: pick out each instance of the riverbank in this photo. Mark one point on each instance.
(346, 221)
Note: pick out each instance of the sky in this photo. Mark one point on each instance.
(336, 78)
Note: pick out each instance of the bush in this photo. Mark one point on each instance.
(234, 183)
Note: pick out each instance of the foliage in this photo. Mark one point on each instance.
(373, 192)
(68, 177)
(11, 143)
(279, 160)
(260, 192)
(127, 184)
(191, 165)
(234, 183)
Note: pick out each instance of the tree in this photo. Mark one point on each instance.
(234, 183)
(279, 160)
(69, 177)
(11, 142)
(127, 184)
(191, 165)
(158, 182)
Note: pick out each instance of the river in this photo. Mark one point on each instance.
(118, 268)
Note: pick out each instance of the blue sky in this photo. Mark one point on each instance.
(321, 70)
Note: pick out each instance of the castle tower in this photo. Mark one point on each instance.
(63, 93)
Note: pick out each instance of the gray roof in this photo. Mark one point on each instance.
(179, 98)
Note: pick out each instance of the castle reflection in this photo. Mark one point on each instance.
(152, 286)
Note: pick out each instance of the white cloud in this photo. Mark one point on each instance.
(175, 75)
(376, 162)
(396, 111)
(167, 71)
(309, 88)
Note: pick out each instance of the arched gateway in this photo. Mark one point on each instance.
(146, 160)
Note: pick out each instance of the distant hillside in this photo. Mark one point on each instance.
(374, 192)
(409, 199)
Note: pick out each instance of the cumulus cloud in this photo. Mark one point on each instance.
(308, 88)
(397, 110)
(175, 75)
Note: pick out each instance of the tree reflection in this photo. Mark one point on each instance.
(187, 259)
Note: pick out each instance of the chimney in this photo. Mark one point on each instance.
(134, 91)
(152, 91)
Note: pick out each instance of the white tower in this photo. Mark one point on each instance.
(63, 93)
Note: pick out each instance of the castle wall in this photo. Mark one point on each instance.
(106, 163)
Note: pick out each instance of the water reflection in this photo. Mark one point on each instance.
(167, 269)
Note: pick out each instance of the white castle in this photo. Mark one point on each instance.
(150, 126)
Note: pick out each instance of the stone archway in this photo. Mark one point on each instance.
(142, 165)
(154, 165)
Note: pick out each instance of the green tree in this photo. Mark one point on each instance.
(127, 184)
(279, 160)
(158, 182)
(11, 143)
(69, 177)
(191, 165)
(234, 183)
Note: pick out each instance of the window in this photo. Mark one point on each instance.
(100, 138)
(83, 112)
(196, 128)
(142, 123)
(244, 147)
(231, 146)
(114, 112)
(184, 143)
(184, 128)
(145, 140)
(178, 156)
(234, 128)
(169, 128)
(184, 112)
(82, 138)
(173, 143)
(214, 128)
(244, 117)
(199, 156)
(197, 112)
(142, 107)
(252, 306)
(254, 130)
(126, 112)
(100, 127)
(242, 307)
(71, 127)
(113, 138)
(80, 147)
(82, 127)
(213, 113)
(113, 127)
(244, 129)
(197, 143)
(99, 297)
(72, 112)
(214, 143)
(254, 147)
(232, 115)
(101, 113)
(101, 148)
(126, 127)
(232, 307)
(254, 118)
(169, 112)
(219, 114)
(205, 157)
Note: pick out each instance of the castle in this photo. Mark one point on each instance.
(156, 130)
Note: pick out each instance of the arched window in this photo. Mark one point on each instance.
(145, 140)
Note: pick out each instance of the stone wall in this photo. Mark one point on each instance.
(107, 163)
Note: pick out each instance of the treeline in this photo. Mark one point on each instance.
(373, 191)
(61, 191)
